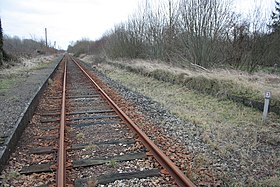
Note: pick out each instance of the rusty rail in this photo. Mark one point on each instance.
(174, 171)
(61, 171)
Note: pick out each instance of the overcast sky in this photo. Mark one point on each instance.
(71, 20)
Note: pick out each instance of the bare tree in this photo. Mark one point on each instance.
(250, 43)
(203, 24)
(14, 46)
(236, 45)
(275, 35)
(201, 32)
(275, 17)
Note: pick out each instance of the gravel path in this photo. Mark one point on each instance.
(25, 81)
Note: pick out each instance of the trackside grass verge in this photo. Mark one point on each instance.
(6, 84)
(241, 150)
(41, 66)
(236, 86)
(17, 73)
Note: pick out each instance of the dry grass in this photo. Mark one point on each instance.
(233, 85)
(257, 81)
(229, 129)
(248, 85)
(10, 76)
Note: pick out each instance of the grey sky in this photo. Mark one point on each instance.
(71, 20)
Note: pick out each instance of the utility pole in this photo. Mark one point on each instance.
(46, 36)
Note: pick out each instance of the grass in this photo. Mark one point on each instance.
(9, 77)
(41, 66)
(7, 83)
(241, 87)
(13, 175)
(192, 106)
(273, 181)
(226, 127)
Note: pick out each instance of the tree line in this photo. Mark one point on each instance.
(23, 47)
(202, 32)
(13, 47)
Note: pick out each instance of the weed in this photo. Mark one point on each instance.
(112, 163)
(80, 136)
(50, 81)
(201, 160)
(13, 175)
(91, 147)
(14, 98)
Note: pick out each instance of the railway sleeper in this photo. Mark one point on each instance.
(49, 167)
(51, 149)
(109, 178)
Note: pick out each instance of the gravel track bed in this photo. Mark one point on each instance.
(152, 181)
(87, 134)
(92, 128)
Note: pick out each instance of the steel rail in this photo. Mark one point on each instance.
(174, 171)
(61, 170)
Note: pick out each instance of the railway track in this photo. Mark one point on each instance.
(80, 137)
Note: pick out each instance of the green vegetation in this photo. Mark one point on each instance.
(13, 175)
(19, 72)
(91, 147)
(3, 55)
(80, 136)
(7, 83)
(8, 178)
(112, 163)
(41, 66)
